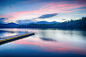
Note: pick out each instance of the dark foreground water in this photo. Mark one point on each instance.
(45, 42)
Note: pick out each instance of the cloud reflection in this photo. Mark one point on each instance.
(51, 46)
(47, 39)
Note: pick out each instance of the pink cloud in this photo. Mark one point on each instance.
(61, 7)
(53, 46)
(52, 8)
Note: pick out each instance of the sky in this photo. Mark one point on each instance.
(42, 10)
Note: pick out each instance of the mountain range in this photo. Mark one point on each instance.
(39, 22)
(14, 25)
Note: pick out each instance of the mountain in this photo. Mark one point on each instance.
(12, 25)
(45, 22)
(54, 22)
(42, 22)
(25, 22)
(9, 25)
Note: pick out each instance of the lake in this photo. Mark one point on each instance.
(45, 42)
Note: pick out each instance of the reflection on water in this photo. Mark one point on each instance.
(47, 39)
(47, 42)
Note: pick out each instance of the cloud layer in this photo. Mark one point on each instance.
(43, 9)
(2, 20)
(48, 15)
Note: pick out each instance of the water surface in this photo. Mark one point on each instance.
(45, 42)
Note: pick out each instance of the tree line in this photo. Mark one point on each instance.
(72, 24)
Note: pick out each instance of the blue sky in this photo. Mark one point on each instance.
(14, 10)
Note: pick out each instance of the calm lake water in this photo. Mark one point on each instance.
(45, 42)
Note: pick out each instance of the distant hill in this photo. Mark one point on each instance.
(25, 22)
(12, 25)
(9, 25)
(72, 24)
(45, 22)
